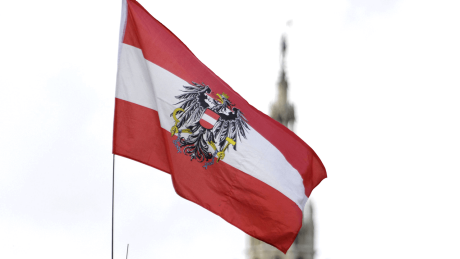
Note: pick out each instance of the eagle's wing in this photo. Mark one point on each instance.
(190, 103)
(234, 128)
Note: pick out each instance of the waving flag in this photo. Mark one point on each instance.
(173, 113)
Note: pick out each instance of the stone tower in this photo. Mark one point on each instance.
(303, 247)
(282, 110)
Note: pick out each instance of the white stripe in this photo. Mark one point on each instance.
(209, 119)
(133, 79)
(255, 155)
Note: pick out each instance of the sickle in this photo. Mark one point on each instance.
(174, 114)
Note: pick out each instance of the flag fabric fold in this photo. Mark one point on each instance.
(174, 114)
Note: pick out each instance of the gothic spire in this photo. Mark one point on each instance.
(282, 110)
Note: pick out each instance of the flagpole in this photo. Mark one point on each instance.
(124, 14)
(113, 194)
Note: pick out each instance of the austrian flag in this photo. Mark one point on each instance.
(174, 114)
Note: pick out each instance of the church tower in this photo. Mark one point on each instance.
(282, 110)
(303, 246)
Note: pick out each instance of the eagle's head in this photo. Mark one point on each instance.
(205, 99)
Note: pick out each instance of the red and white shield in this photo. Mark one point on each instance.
(209, 119)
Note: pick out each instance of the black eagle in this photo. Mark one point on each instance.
(229, 128)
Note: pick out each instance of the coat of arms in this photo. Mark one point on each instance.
(212, 124)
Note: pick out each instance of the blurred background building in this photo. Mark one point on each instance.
(303, 247)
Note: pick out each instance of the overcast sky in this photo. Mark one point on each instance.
(375, 84)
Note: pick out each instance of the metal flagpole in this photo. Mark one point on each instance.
(127, 248)
(113, 192)
(124, 15)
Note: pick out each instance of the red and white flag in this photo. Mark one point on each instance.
(173, 113)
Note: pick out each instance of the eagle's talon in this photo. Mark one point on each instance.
(174, 130)
(220, 156)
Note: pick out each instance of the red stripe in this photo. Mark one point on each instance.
(206, 124)
(212, 114)
(162, 47)
(135, 135)
(242, 200)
